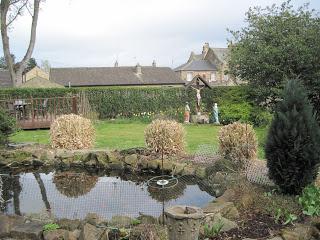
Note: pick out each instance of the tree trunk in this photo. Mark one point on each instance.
(16, 70)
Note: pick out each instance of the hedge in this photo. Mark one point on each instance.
(147, 102)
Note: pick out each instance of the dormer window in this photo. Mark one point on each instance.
(189, 76)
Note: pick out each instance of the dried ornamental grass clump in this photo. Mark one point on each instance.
(165, 136)
(72, 132)
(238, 142)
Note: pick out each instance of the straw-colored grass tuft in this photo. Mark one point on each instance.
(238, 142)
(72, 132)
(165, 136)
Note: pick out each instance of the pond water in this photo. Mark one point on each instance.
(73, 195)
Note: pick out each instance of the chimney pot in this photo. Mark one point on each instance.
(138, 69)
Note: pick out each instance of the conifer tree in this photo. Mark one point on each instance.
(293, 143)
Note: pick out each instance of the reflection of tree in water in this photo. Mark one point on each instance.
(43, 190)
(73, 184)
(11, 189)
(167, 194)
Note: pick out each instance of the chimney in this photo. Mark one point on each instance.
(205, 48)
(154, 64)
(116, 64)
(138, 69)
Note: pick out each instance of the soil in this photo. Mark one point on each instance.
(252, 225)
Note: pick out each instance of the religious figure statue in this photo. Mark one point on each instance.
(187, 113)
(215, 114)
(198, 95)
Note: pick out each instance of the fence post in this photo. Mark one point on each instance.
(74, 105)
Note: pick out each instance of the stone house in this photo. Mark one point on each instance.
(211, 65)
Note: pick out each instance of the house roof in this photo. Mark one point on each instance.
(221, 53)
(39, 82)
(203, 62)
(114, 76)
(5, 80)
(197, 65)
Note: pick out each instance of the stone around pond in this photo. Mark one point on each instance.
(90, 232)
(8, 222)
(226, 209)
(26, 231)
(120, 221)
(60, 234)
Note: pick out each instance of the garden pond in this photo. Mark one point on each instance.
(72, 195)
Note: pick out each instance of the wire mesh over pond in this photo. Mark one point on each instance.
(73, 195)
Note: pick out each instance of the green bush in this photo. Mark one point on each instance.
(310, 200)
(7, 126)
(259, 117)
(234, 112)
(292, 147)
(146, 103)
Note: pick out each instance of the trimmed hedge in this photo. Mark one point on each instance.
(148, 102)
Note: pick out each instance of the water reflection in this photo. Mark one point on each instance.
(73, 185)
(70, 195)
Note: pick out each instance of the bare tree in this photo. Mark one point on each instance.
(9, 11)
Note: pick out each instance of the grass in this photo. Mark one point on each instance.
(128, 134)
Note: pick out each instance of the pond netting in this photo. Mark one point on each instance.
(74, 195)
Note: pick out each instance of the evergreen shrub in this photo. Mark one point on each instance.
(293, 143)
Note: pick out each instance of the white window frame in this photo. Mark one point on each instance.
(188, 76)
(213, 77)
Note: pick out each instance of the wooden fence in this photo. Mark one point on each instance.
(36, 113)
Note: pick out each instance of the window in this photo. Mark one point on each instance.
(204, 77)
(213, 77)
(189, 76)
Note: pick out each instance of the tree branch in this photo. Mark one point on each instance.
(19, 10)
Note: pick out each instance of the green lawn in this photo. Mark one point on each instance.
(122, 135)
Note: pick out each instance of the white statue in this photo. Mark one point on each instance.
(216, 114)
(198, 95)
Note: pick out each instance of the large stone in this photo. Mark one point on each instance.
(120, 221)
(68, 224)
(7, 222)
(178, 168)
(95, 220)
(300, 232)
(131, 160)
(226, 209)
(58, 234)
(201, 172)
(26, 231)
(189, 170)
(147, 219)
(90, 232)
(227, 196)
(216, 220)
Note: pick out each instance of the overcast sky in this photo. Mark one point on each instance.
(75, 33)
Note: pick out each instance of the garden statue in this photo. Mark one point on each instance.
(198, 95)
(215, 114)
(187, 113)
